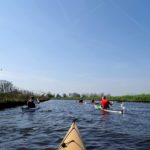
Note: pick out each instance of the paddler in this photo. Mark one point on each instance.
(105, 103)
(31, 103)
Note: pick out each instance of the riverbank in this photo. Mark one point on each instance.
(11, 103)
(10, 100)
(145, 98)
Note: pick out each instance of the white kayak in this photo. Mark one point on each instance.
(98, 106)
(72, 139)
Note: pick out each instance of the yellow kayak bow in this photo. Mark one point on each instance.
(72, 140)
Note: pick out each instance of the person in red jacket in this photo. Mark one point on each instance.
(105, 103)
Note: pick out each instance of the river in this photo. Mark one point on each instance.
(45, 128)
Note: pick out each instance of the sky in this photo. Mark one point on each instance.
(82, 46)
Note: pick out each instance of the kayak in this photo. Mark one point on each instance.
(27, 109)
(98, 106)
(72, 139)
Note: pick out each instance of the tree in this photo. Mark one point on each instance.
(49, 95)
(6, 86)
(74, 95)
(58, 96)
(64, 95)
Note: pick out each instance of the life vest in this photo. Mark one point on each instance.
(105, 103)
(31, 105)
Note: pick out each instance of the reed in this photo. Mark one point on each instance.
(125, 98)
(8, 100)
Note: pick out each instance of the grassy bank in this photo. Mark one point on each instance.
(145, 98)
(8, 100)
(127, 98)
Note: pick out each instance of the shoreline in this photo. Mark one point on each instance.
(10, 100)
(13, 104)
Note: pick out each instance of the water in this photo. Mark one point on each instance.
(45, 128)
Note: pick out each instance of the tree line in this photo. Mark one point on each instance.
(124, 98)
(8, 92)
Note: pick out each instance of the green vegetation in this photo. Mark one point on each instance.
(125, 98)
(8, 100)
(11, 96)
(132, 98)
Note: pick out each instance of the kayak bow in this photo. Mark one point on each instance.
(72, 139)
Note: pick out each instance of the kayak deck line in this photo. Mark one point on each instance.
(65, 144)
(98, 106)
(27, 109)
(72, 139)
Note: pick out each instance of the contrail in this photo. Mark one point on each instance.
(129, 17)
(91, 11)
(66, 17)
(95, 8)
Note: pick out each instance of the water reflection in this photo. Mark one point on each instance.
(104, 115)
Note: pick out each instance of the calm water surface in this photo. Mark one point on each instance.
(44, 129)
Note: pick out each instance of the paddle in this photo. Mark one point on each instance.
(45, 111)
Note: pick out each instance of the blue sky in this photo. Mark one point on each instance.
(83, 46)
